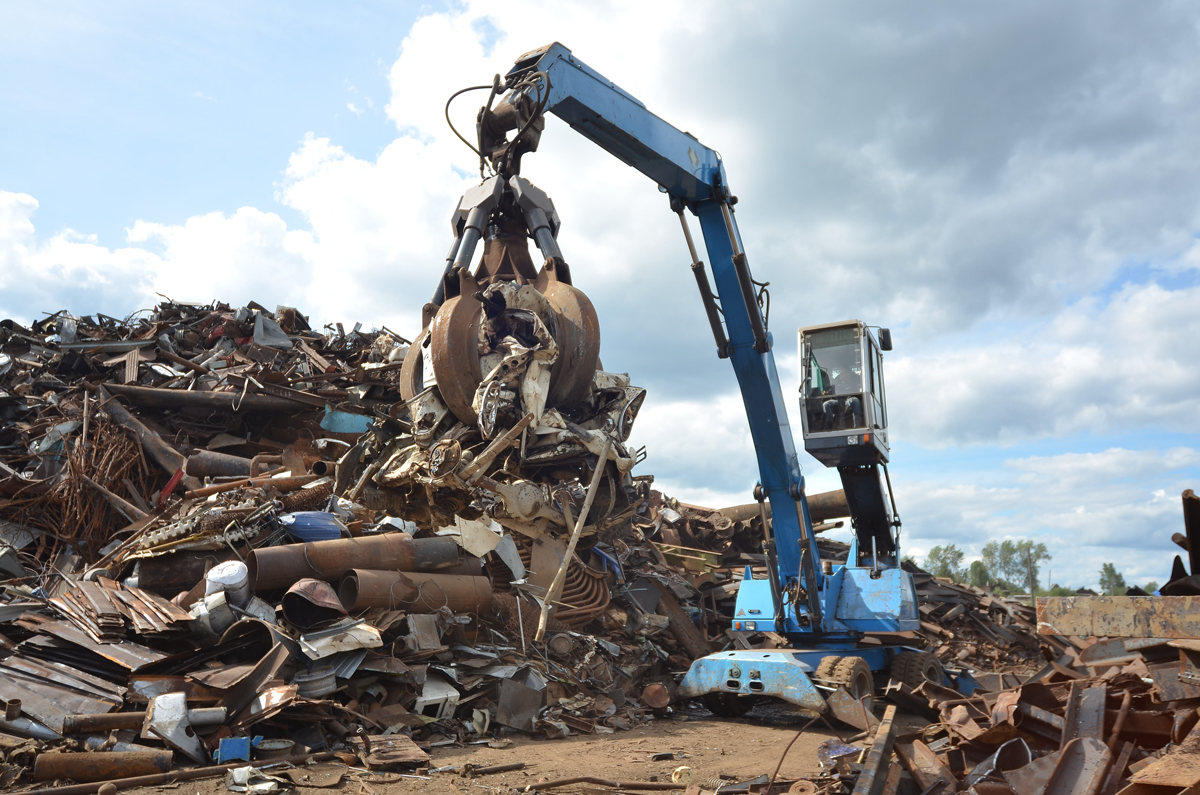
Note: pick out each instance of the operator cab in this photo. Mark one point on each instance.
(843, 410)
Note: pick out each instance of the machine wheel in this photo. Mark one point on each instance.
(826, 667)
(727, 705)
(912, 668)
(855, 676)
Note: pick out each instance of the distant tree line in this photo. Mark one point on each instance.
(1013, 566)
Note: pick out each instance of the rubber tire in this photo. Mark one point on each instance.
(855, 676)
(826, 667)
(913, 668)
(727, 705)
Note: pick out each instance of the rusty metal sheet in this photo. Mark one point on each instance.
(266, 705)
(45, 712)
(1033, 777)
(126, 653)
(926, 767)
(518, 705)
(64, 674)
(1108, 652)
(145, 687)
(394, 750)
(1089, 720)
(63, 695)
(1179, 769)
(1168, 683)
(1167, 617)
(249, 686)
(850, 711)
(222, 678)
(1080, 769)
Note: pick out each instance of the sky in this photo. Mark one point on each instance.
(1012, 188)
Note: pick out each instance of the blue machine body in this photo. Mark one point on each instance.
(821, 612)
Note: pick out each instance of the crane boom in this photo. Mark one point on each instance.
(824, 610)
(694, 176)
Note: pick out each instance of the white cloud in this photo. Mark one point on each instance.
(1099, 367)
(1119, 506)
(235, 258)
(37, 276)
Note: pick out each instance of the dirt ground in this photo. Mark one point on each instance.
(713, 747)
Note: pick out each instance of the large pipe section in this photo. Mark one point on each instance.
(282, 566)
(207, 464)
(102, 766)
(416, 592)
(821, 508)
(114, 721)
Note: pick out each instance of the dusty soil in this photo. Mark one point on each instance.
(742, 748)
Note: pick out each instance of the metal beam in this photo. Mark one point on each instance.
(606, 114)
(1168, 617)
(879, 758)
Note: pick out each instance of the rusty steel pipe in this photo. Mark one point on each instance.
(207, 464)
(821, 507)
(262, 463)
(109, 721)
(432, 554)
(102, 766)
(283, 484)
(467, 565)
(417, 592)
(282, 566)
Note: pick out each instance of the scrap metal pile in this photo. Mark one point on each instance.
(1091, 730)
(1113, 709)
(218, 524)
(971, 626)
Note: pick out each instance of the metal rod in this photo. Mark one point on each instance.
(706, 293)
(83, 436)
(182, 775)
(871, 779)
(742, 269)
(521, 625)
(471, 235)
(733, 238)
(1119, 723)
(439, 295)
(649, 786)
(556, 586)
(469, 771)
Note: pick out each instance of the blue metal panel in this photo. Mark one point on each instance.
(965, 683)
(778, 674)
(883, 604)
(831, 591)
(755, 603)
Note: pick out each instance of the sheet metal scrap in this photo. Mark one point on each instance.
(1103, 699)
